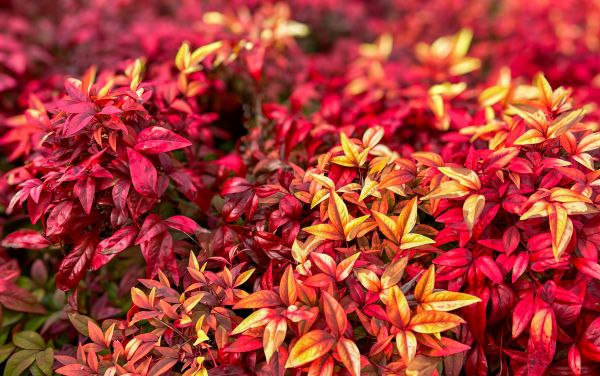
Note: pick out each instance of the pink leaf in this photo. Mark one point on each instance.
(155, 140)
(25, 238)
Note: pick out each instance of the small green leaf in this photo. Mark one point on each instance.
(35, 370)
(19, 362)
(5, 351)
(29, 340)
(44, 360)
(80, 322)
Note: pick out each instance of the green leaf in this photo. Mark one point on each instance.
(29, 340)
(80, 322)
(45, 360)
(5, 351)
(35, 322)
(19, 362)
(35, 370)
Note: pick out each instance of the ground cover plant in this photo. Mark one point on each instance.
(299, 188)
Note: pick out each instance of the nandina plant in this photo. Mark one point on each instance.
(401, 203)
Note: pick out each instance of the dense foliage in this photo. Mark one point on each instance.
(303, 187)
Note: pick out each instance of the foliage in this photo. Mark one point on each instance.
(305, 187)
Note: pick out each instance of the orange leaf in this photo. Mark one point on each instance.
(344, 268)
(321, 367)
(395, 178)
(407, 218)
(425, 285)
(334, 315)
(259, 299)
(352, 228)
(397, 308)
(311, 346)
(273, 336)
(393, 273)
(287, 287)
(372, 136)
(350, 356)
(386, 225)
(259, 318)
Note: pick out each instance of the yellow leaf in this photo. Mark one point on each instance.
(182, 59)
(422, 366)
(372, 136)
(338, 212)
(434, 322)
(350, 149)
(320, 196)
(472, 209)
(256, 319)
(324, 180)
(407, 218)
(589, 143)
(342, 160)
(406, 342)
(369, 187)
(273, 336)
(567, 195)
(464, 176)
(449, 189)
(544, 88)
(353, 227)
(326, 231)
(368, 279)
(414, 240)
(538, 209)
(531, 137)
(311, 346)
(287, 287)
(204, 51)
(563, 123)
(386, 225)
(561, 228)
(448, 301)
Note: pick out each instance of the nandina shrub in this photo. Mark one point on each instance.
(398, 207)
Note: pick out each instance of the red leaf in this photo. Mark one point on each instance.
(73, 267)
(143, 174)
(476, 364)
(17, 299)
(25, 238)
(542, 342)
(155, 140)
(522, 314)
(487, 266)
(182, 223)
(587, 267)
(109, 247)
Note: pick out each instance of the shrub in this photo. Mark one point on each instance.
(319, 188)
